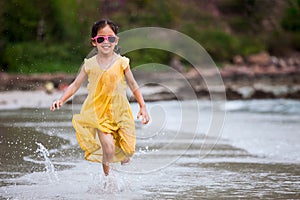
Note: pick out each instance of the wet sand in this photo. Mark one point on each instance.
(169, 165)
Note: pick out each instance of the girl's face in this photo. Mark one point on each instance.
(107, 43)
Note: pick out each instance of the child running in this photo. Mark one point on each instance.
(105, 126)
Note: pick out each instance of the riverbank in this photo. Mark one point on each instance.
(259, 76)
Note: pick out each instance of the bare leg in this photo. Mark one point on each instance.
(108, 148)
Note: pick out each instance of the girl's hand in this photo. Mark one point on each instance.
(56, 105)
(145, 117)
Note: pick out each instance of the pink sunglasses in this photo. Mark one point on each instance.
(100, 39)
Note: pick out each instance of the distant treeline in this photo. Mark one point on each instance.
(54, 35)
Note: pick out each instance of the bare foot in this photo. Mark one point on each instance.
(125, 161)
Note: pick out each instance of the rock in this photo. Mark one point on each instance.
(238, 60)
(275, 90)
(262, 58)
(232, 94)
(297, 61)
(202, 93)
(290, 62)
(282, 63)
(176, 64)
(258, 94)
(246, 92)
(293, 95)
(274, 60)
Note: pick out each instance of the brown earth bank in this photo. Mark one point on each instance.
(258, 76)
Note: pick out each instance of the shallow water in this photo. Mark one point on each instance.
(257, 155)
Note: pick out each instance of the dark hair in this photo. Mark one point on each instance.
(101, 24)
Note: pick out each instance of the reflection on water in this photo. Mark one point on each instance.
(233, 169)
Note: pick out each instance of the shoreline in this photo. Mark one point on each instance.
(238, 87)
(259, 76)
(26, 99)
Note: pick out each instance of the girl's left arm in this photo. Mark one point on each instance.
(138, 95)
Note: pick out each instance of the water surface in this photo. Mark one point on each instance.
(257, 155)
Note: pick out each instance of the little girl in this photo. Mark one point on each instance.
(105, 127)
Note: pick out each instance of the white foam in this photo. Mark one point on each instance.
(84, 181)
(280, 106)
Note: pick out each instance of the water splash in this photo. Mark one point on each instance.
(114, 183)
(50, 169)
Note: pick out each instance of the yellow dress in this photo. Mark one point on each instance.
(106, 108)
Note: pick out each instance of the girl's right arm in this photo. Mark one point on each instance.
(72, 88)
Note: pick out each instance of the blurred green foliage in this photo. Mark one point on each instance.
(51, 36)
(291, 23)
(31, 57)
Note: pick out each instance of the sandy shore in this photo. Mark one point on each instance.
(41, 99)
(27, 99)
(168, 89)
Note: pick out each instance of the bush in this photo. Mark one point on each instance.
(41, 57)
(291, 24)
(144, 56)
(290, 21)
(220, 45)
(251, 45)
